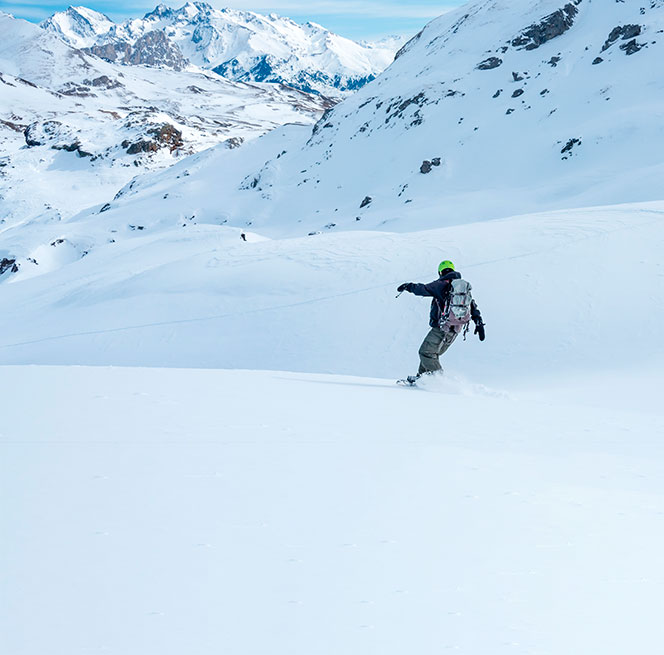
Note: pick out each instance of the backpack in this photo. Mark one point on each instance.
(455, 312)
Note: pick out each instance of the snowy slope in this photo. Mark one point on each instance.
(91, 126)
(440, 138)
(179, 511)
(241, 45)
(196, 294)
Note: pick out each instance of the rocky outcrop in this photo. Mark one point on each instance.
(8, 264)
(55, 134)
(624, 32)
(427, 166)
(163, 136)
(548, 28)
(38, 134)
(154, 49)
(489, 64)
(151, 49)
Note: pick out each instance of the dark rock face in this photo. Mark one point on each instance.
(427, 166)
(152, 49)
(104, 82)
(7, 264)
(624, 32)
(37, 134)
(109, 51)
(517, 93)
(631, 47)
(398, 107)
(164, 136)
(367, 201)
(142, 146)
(548, 28)
(489, 64)
(569, 146)
(75, 146)
(597, 60)
(167, 136)
(234, 142)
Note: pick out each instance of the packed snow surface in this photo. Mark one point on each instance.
(182, 511)
(202, 447)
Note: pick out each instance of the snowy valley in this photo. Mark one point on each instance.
(202, 446)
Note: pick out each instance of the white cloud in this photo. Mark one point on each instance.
(365, 8)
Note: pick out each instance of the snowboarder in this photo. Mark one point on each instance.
(452, 309)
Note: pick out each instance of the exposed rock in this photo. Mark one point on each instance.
(142, 146)
(497, 93)
(425, 167)
(155, 49)
(105, 208)
(631, 47)
(37, 134)
(436, 161)
(517, 77)
(517, 93)
(164, 135)
(367, 201)
(568, 147)
(168, 136)
(109, 51)
(489, 64)
(548, 28)
(624, 32)
(8, 264)
(103, 82)
(235, 142)
(13, 126)
(553, 62)
(597, 60)
(151, 49)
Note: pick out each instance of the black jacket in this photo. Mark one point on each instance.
(439, 289)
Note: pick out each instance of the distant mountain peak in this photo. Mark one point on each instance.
(241, 45)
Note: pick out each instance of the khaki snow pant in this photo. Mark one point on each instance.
(434, 345)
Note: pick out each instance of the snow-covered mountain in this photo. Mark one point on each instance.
(513, 505)
(495, 109)
(74, 128)
(240, 45)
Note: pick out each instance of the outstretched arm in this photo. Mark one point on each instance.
(419, 289)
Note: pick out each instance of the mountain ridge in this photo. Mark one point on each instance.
(240, 45)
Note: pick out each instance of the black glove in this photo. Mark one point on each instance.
(479, 330)
(404, 287)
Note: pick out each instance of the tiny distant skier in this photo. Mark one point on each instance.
(452, 309)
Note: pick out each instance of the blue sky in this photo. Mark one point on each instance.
(359, 19)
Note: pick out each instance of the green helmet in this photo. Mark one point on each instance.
(444, 265)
